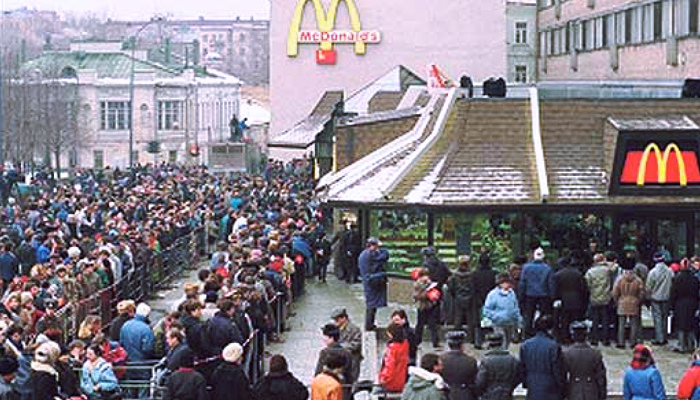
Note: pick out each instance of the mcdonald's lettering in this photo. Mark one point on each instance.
(326, 36)
(673, 166)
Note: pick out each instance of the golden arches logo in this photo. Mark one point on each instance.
(325, 21)
(662, 163)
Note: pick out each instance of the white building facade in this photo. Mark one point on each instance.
(183, 110)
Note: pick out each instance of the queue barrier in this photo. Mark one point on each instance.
(154, 273)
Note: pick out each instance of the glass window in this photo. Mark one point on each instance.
(172, 156)
(98, 159)
(115, 115)
(693, 11)
(521, 73)
(658, 18)
(629, 22)
(170, 115)
(521, 32)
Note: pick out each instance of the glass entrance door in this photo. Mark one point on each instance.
(648, 233)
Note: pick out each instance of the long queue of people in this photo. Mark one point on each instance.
(82, 236)
(606, 292)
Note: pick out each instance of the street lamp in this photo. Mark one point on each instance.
(131, 87)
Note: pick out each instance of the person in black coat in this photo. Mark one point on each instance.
(179, 352)
(499, 372)
(229, 381)
(221, 329)
(44, 378)
(186, 383)
(484, 280)
(279, 383)
(684, 300)
(458, 369)
(570, 295)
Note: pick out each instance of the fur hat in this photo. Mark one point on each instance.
(232, 352)
(47, 352)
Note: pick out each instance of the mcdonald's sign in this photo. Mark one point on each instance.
(326, 35)
(675, 165)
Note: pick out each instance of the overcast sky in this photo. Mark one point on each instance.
(141, 9)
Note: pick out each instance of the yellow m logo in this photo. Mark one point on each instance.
(325, 22)
(662, 163)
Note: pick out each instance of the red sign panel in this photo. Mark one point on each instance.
(326, 57)
(670, 166)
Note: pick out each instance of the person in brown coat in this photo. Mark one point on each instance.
(585, 369)
(628, 294)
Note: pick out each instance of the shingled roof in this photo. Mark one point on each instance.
(483, 154)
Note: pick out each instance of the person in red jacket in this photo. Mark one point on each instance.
(688, 386)
(392, 376)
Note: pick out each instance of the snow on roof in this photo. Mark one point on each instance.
(256, 114)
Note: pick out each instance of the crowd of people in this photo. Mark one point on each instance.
(560, 313)
(80, 237)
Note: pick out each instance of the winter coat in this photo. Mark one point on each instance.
(502, 307)
(351, 340)
(219, 331)
(423, 385)
(684, 299)
(484, 281)
(499, 374)
(437, 270)
(571, 289)
(394, 370)
(186, 384)
(43, 381)
(372, 266)
(326, 386)
(137, 339)
(659, 280)
(689, 386)
(176, 355)
(462, 289)
(599, 281)
(338, 350)
(280, 386)
(535, 280)
(628, 294)
(586, 378)
(8, 391)
(643, 384)
(459, 372)
(229, 382)
(543, 369)
(101, 374)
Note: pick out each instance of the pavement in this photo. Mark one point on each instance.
(310, 312)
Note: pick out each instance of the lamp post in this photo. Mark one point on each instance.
(131, 87)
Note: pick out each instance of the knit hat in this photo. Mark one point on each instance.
(538, 254)
(232, 352)
(143, 310)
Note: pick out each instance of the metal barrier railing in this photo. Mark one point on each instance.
(155, 273)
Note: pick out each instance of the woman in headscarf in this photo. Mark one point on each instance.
(44, 378)
(642, 379)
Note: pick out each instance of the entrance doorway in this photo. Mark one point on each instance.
(647, 233)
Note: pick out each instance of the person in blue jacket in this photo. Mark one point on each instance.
(535, 290)
(642, 379)
(97, 377)
(501, 307)
(542, 363)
